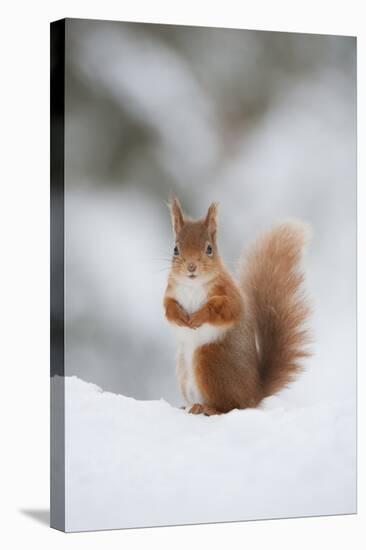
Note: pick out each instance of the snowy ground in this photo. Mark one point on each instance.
(140, 463)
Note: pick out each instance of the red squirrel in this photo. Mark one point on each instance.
(238, 341)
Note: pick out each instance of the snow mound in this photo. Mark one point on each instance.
(142, 463)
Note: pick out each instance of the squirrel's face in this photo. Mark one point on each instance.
(195, 256)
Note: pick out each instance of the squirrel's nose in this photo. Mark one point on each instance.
(191, 267)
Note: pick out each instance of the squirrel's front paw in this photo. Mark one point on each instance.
(182, 322)
(182, 319)
(195, 321)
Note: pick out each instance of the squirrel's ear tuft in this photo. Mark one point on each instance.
(176, 214)
(211, 219)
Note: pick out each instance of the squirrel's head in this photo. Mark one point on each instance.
(195, 255)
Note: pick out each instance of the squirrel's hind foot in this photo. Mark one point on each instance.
(197, 408)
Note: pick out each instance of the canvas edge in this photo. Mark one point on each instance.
(57, 351)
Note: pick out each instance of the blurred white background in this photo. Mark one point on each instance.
(263, 122)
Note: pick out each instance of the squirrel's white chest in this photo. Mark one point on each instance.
(191, 298)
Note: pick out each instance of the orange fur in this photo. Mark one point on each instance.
(224, 305)
(274, 284)
(175, 313)
(260, 337)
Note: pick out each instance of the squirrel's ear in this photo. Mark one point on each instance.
(176, 214)
(211, 219)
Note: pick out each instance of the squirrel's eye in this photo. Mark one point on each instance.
(176, 251)
(209, 250)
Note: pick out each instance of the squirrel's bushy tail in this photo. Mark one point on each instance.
(273, 283)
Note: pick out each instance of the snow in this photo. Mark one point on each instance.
(133, 463)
